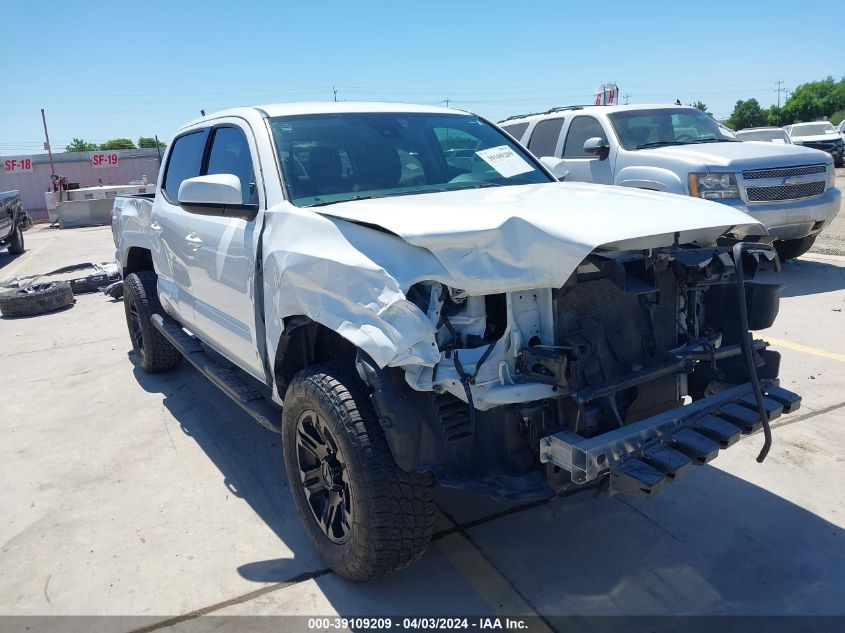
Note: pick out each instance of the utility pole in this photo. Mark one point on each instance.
(779, 83)
(446, 101)
(47, 136)
(626, 95)
(334, 90)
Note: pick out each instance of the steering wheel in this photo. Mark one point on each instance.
(685, 137)
(477, 166)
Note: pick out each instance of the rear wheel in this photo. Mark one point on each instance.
(15, 246)
(365, 516)
(790, 249)
(140, 301)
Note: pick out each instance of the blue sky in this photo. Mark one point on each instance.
(109, 69)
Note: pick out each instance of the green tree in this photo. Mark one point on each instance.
(118, 143)
(837, 117)
(149, 141)
(775, 116)
(80, 145)
(700, 105)
(815, 100)
(746, 114)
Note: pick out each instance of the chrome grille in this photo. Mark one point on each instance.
(785, 192)
(783, 172)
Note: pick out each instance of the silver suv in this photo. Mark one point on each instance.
(677, 149)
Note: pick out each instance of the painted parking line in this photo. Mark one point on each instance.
(488, 582)
(806, 349)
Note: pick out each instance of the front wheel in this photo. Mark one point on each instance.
(790, 249)
(365, 516)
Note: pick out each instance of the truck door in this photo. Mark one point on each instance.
(223, 255)
(584, 167)
(168, 221)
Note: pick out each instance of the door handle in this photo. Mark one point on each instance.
(194, 241)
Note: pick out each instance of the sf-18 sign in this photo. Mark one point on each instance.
(105, 159)
(17, 165)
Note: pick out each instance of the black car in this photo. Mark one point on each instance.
(12, 218)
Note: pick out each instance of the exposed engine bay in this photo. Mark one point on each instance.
(633, 356)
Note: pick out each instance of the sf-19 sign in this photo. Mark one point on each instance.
(108, 159)
(17, 165)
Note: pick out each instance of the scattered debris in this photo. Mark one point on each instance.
(95, 277)
(115, 290)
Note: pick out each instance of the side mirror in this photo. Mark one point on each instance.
(215, 194)
(597, 146)
(555, 165)
(216, 189)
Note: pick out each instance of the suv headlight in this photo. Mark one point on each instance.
(831, 175)
(713, 186)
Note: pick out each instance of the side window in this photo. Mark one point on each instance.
(581, 128)
(544, 137)
(516, 130)
(230, 155)
(184, 162)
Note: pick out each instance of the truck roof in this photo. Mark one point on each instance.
(594, 109)
(324, 107)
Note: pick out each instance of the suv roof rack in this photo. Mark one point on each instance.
(549, 111)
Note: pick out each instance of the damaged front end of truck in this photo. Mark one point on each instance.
(640, 365)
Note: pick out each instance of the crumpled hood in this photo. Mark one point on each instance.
(514, 237)
(742, 155)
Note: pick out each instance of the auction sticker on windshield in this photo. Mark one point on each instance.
(505, 161)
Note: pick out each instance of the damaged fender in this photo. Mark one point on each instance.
(350, 279)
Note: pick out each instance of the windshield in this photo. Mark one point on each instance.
(772, 136)
(643, 129)
(813, 129)
(330, 158)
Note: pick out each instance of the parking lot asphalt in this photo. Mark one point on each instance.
(127, 493)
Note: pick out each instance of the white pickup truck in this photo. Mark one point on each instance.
(790, 189)
(422, 313)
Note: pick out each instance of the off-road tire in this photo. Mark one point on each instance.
(140, 301)
(392, 511)
(15, 246)
(36, 299)
(790, 249)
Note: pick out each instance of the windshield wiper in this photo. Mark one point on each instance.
(715, 140)
(328, 202)
(482, 185)
(659, 144)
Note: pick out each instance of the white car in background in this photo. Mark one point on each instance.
(765, 134)
(680, 149)
(819, 135)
